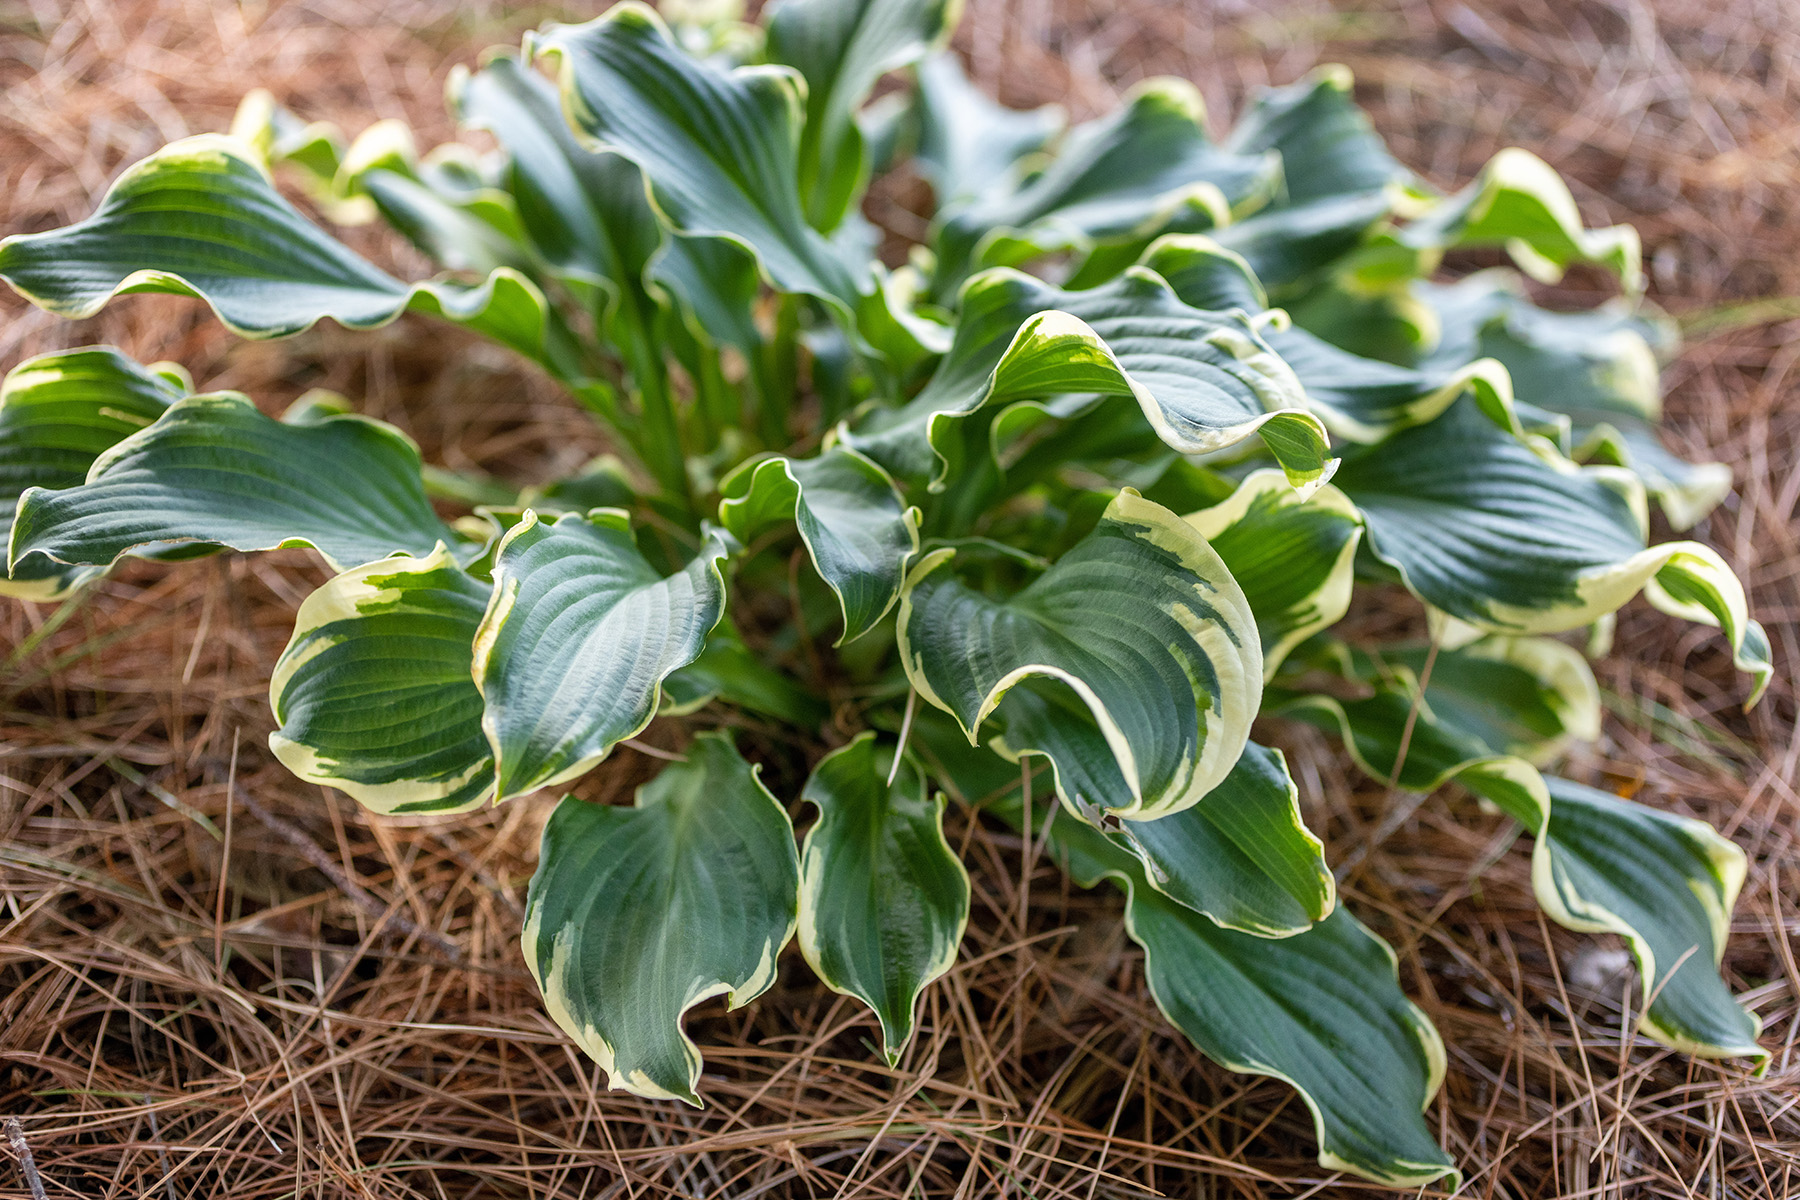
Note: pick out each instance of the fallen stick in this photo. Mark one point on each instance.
(15, 1133)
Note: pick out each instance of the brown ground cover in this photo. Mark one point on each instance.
(182, 1016)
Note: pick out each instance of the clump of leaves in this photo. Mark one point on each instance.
(1088, 479)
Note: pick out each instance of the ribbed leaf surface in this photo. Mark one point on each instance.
(721, 148)
(883, 898)
(1322, 1010)
(374, 694)
(200, 218)
(857, 528)
(1204, 380)
(214, 469)
(577, 641)
(1294, 558)
(58, 413)
(1141, 619)
(637, 914)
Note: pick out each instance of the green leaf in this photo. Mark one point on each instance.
(200, 218)
(969, 146)
(1321, 1010)
(1242, 855)
(1512, 538)
(587, 214)
(1287, 245)
(1146, 169)
(1141, 619)
(857, 528)
(1359, 399)
(1665, 883)
(883, 898)
(720, 148)
(58, 413)
(374, 694)
(841, 47)
(577, 640)
(1295, 558)
(214, 469)
(1598, 368)
(1519, 202)
(728, 670)
(1204, 380)
(1327, 144)
(637, 914)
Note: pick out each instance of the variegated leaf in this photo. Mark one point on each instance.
(1322, 1010)
(637, 914)
(720, 147)
(1203, 380)
(1519, 202)
(1118, 181)
(578, 638)
(1141, 620)
(1599, 369)
(1359, 399)
(58, 413)
(1513, 538)
(374, 693)
(858, 529)
(841, 47)
(1294, 558)
(1665, 883)
(214, 469)
(200, 218)
(969, 146)
(883, 898)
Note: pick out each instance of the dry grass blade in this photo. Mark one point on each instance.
(181, 1018)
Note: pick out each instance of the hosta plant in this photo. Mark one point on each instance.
(1082, 483)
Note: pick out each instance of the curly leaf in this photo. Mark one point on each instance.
(1484, 527)
(858, 530)
(1518, 201)
(841, 47)
(1665, 883)
(1242, 855)
(637, 914)
(883, 898)
(1339, 181)
(374, 694)
(970, 146)
(1598, 368)
(1204, 380)
(1294, 558)
(200, 218)
(720, 148)
(1321, 1010)
(214, 469)
(1120, 180)
(587, 214)
(58, 413)
(1141, 619)
(1359, 399)
(577, 640)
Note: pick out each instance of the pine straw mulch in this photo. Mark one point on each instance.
(319, 1003)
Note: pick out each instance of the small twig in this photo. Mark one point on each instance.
(1412, 714)
(15, 1133)
(310, 851)
(653, 751)
(162, 1150)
